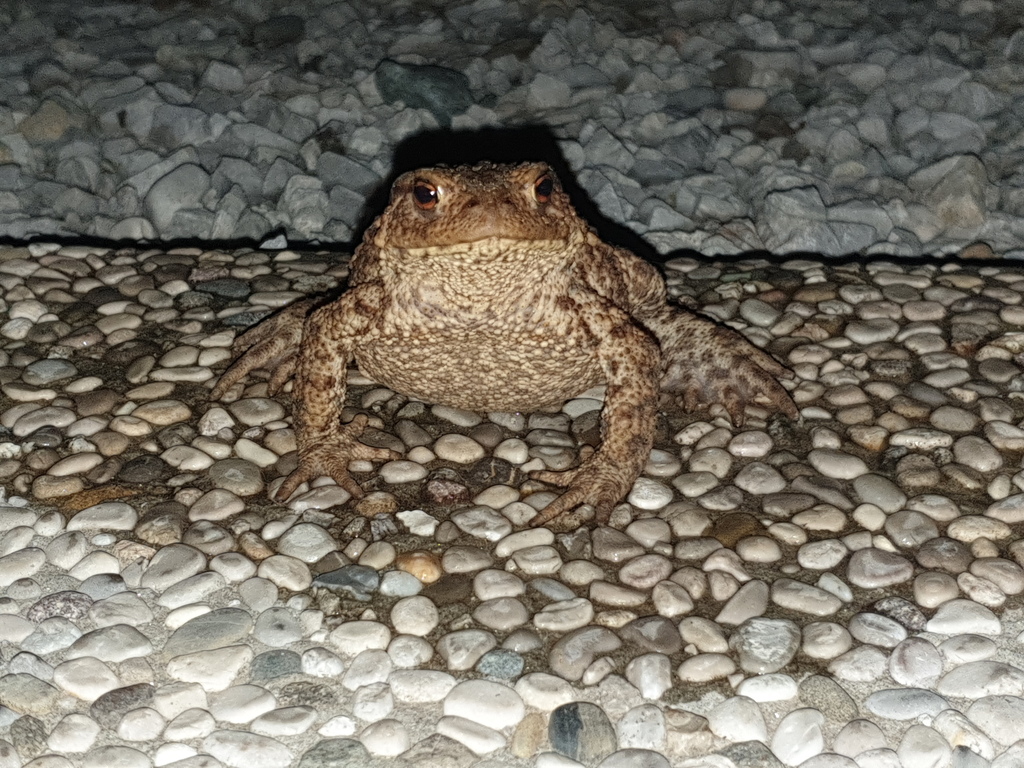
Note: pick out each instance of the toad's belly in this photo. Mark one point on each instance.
(481, 372)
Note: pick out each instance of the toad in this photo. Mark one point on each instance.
(480, 287)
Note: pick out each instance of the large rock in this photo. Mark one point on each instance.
(443, 92)
(183, 187)
(48, 123)
(954, 191)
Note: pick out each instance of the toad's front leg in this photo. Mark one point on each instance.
(326, 446)
(631, 362)
(273, 343)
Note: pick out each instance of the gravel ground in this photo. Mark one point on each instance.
(837, 128)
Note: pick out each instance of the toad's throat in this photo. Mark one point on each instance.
(495, 273)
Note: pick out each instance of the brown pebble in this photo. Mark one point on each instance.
(730, 528)
(49, 487)
(99, 401)
(254, 547)
(530, 734)
(446, 492)
(815, 292)
(42, 459)
(688, 734)
(127, 552)
(377, 503)
(425, 566)
(162, 524)
(103, 473)
(111, 443)
(450, 589)
(978, 251)
(872, 438)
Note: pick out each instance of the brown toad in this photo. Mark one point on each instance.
(481, 288)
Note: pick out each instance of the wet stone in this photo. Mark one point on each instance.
(357, 581)
(582, 731)
(652, 634)
(275, 663)
(501, 664)
(944, 554)
(145, 469)
(109, 708)
(902, 611)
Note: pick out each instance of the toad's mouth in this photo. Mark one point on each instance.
(490, 248)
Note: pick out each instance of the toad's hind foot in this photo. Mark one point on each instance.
(598, 484)
(721, 366)
(330, 457)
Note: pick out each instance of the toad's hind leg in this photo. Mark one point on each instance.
(708, 363)
(703, 361)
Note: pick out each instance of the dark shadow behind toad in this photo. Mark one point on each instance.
(479, 287)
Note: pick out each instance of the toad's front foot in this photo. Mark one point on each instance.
(330, 457)
(599, 483)
(273, 344)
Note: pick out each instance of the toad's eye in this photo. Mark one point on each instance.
(425, 195)
(542, 188)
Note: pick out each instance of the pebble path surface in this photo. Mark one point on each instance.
(842, 592)
(839, 591)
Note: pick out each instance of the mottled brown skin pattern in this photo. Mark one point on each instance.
(487, 292)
